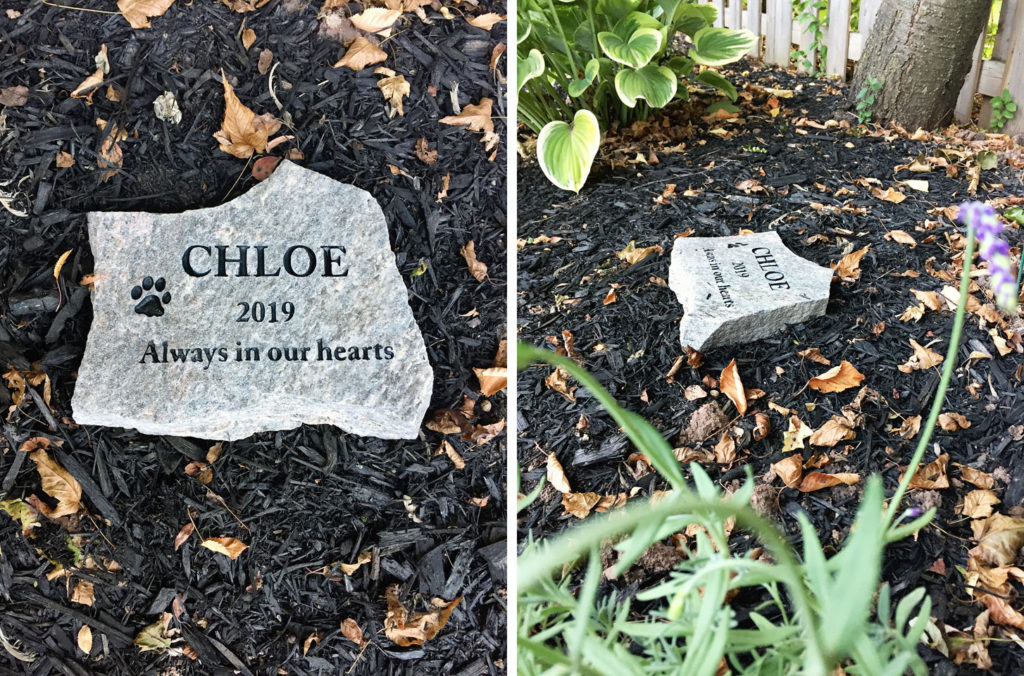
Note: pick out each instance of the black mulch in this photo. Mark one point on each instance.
(310, 497)
(631, 344)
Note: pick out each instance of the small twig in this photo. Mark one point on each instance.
(237, 179)
(78, 9)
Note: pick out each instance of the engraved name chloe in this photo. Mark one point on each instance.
(243, 260)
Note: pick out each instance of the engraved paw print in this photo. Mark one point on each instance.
(153, 304)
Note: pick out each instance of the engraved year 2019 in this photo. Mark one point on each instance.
(270, 313)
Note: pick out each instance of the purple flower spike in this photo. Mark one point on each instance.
(993, 249)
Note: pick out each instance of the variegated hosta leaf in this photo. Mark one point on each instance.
(530, 67)
(654, 84)
(719, 46)
(635, 51)
(580, 85)
(566, 152)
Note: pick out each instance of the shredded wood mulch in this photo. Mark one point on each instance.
(304, 501)
(802, 180)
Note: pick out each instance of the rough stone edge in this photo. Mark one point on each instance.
(96, 219)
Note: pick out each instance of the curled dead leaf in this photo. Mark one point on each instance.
(229, 547)
(910, 427)
(794, 436)
(404, 629)
(789, 469)
(762, 426)
(837, 378)
(485, 21)
(999, 539)
(476, 268)
(57, 482)
(83, 593)
(732, 387)
(832, 432)
(923, 358)
(242, 132)
(183, 535)
(556, 475)
(978, 503)
(84, 639)
(350, 629)
(815, 481)
(452, 454)
(848, 267)
(975, 476)
(953, 422)
(814, 354)
(631, 255)
(375, 19)
(478, 118)
(360, 54)
(931, 476)
(492, 380)
(580, 504)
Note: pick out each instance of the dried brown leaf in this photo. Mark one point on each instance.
(65, 160)
(453, 455)
(183, 535)
(83, 593)
(475, 116)
(360, 54)
(794, 436)
(485, 21)
(580, 504)
(248, 38)
(263, 64)
(999, 539)
(789, 469)
(423, 151)
(953, 422)
(923, 358)
(815, 481)
(139, 12)
(832, 432)
(375, 19)
(84, 639)
(229, 547)
(978, 503)
(902, 237)
(404, 629)
(837, 378)
(350, 629)
(476, 268)
(13, 97)
(848, 267)
(632, 255)
(814, 354)
(88, 87)
(975, 476)
(732, 387)
(243, 6)
(57, 482)
(492, 380)
(556, 475)
(242, 132)
(931, 476)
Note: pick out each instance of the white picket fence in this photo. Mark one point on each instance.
(774, 20)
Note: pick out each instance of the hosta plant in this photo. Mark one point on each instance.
(584, 64)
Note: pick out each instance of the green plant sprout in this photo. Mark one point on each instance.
(1003, 110)
(812, 613)
(755, 149)
(587, 64)
(866, 99)
(814, 15)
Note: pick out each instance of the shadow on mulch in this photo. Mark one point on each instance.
(630, 345)
(306, 498)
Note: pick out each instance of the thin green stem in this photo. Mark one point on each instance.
(561, 32)
(940, 392)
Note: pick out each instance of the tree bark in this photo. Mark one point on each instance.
(920, 51)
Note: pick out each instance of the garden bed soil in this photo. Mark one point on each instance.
(303, 499)
(800, 179)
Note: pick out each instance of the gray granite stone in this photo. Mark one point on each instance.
(742, 288)
(318, 330)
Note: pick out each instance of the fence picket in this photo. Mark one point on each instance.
(868, 10)
(720, 19)
(1013, 75)
(780, 31)
(754, 25)
(965, 102)
(734, 15)
(838, 37)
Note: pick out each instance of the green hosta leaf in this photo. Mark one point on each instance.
(616, 9)
(522, 30)
(654, 84)
(680, 65)
(530, 67)
(636, 51)
(721, 105)
(565, 151)
(690, 19)
(580, 85)
(719, 46)
(719, 82)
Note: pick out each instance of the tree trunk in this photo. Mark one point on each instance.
(920, 51)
